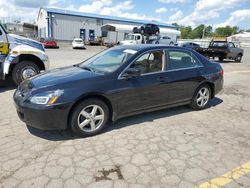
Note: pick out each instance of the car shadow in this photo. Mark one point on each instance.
(151, 116)
(6, 85)
(125, 122)
(225, 61)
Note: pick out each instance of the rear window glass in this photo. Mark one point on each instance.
(182, 60)
(219, 44)
(49, 39)
(78, 40)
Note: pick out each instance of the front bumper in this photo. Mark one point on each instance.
(43, 117)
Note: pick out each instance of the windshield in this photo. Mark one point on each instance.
(108, 61)
(3, 28)
(129, 37)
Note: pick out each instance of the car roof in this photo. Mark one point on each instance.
(145, 47)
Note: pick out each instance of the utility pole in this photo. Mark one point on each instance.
(204, 30)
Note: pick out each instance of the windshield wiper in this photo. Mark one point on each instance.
(87, 68)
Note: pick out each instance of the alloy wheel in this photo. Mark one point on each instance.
(202, 97)
(91, 118)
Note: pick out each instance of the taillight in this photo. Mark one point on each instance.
(221, 72)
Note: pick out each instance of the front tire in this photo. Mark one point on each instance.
(221, 58)
(238, 58)
(89, 117)
(24, 70)
(201, 98)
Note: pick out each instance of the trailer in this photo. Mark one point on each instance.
(118, 33)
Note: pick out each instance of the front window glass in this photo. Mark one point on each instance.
(231, 45)
(150, 62)
(182, 60)
(108, 61)
(129, 37)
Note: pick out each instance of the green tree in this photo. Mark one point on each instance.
(225, 31)
(208, 31)
(176, 25)
(248, 30)
(197, 32)
(185, 31)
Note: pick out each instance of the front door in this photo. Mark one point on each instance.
(4, 45)
(83, 34)
(91, 35)
(233, 50)
(150, 88)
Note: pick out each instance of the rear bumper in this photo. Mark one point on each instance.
(50, 46)
(78, 46)
(43, 117)
(218, 85)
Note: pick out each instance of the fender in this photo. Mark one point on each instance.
(17, 51)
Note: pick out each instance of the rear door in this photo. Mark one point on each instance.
(184, 72)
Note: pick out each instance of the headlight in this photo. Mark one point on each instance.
(48, 98)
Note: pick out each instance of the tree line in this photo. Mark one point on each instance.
(203, 31)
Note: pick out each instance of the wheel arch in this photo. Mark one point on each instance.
(93, 96)
(27, 57)
(210, 84)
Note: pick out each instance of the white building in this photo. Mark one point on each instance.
(65, 25)
(243, 39)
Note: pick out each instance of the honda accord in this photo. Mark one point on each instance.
(116, 83)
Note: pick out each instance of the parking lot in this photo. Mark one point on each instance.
(176, 147)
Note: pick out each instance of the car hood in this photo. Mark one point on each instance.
(61, 76)
(19, 40)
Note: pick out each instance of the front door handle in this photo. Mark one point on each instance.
(162, 79)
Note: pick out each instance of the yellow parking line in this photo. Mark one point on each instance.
(227, 177)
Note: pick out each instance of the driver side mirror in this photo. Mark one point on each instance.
(131, 72)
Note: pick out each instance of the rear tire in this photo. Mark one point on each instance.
(24, 70)
(89, 117)
(201, 97)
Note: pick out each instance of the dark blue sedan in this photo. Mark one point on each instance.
(115, 83)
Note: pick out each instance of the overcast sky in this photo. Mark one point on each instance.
(184, 12)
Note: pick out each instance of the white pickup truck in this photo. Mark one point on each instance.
(20, 57)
